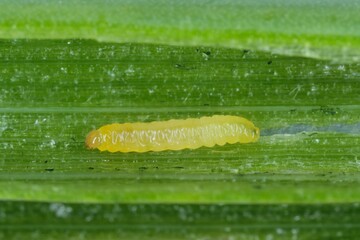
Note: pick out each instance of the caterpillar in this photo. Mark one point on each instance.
(176, 134)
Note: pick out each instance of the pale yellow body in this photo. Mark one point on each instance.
(173, 134)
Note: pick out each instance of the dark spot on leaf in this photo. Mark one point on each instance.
(257, 186)
(178, 167)
(327, 110)
(46, 161)
(143, 168)
(312, 134)
(269, 62)
(245, 52)
(91, 168)
(206, 104)
(183, 67)
(49, 169)
(207, 53)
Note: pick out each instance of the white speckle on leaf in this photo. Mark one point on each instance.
(314, 88)
(205, 56)
(130, 71)
(63, 69)
(295, 91)
(235, 73)
(45, 78)
(269, 237)
(341, 68)
(326, 70)
(3, 124)
(60, 210)
(52, 143)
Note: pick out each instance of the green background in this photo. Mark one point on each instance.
(69, 67)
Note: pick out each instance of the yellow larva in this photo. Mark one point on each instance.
(173, 134)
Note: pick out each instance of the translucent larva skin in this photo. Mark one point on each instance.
(173, 134)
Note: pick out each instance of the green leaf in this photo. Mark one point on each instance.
(53, 98)
(293, 183)
(178, 221)
(326, 29)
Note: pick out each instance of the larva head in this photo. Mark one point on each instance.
(93, 139)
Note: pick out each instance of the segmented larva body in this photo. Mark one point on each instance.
(173, 134)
